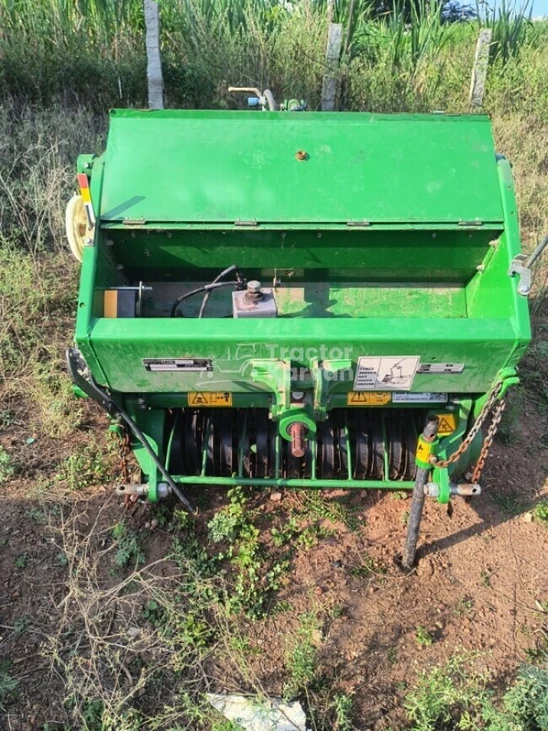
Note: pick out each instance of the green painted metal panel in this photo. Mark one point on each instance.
(208, 167)
(121, 345)
(390, 256)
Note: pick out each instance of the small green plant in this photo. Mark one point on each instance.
(369, 567)
(153, 612)
(7, 469)
(8, 685)
(526, 702)
(301, 661)
(128, 548)
(316, 506)
(444, 694)
(83, 469)
(541, 512)
(21, 561)
(36, 515)
(392, 656)
(463, 606)
(341, 707)
(20, 625)
(423, 637)
(92, 715)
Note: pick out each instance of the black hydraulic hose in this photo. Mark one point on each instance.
(220, 276)
(106, 401)
(536, 253)
(205, 288)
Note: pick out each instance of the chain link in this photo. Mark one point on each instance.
(124, 450)
(488, 441)
(465, 444)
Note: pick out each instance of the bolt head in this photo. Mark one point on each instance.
(254, 286)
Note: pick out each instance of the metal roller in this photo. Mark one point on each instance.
(351, 444)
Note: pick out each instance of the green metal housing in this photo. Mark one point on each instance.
(382, 236)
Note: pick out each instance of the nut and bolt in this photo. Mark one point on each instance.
(253, 293)
(254, 287)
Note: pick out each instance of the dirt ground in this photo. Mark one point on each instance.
(480, 583)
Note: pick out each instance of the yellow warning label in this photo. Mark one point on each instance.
(448, 424)
(368, 398)
(424, 450)
(209, 398)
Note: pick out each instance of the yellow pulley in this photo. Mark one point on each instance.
(76, 223)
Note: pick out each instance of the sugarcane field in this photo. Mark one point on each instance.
(273, 365)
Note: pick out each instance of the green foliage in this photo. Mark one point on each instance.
(254, 574)
(8, 686)
(342, 711)
(447, 693)
(301, 662)
(457, 696)
(84, 468)
(526, 702)
(128, 546)
(7, 468)
(21, 561)
(396, 54)
(510, 23)
(423, 637)
(541, 512)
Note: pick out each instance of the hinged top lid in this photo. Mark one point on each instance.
(217, 167)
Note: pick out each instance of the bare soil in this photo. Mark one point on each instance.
(481, 577)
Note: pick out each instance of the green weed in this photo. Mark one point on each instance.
(301, 662)
(8, 686)
(342, 711)
(7, 468)
(541, 512)
(21, 561)
(423, 637)
(457, 696)
(368, 567)
(128, 546)
(84, 468)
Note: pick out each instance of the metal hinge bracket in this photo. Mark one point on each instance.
(517, 266)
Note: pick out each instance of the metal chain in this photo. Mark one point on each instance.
(124, 450)
(497, 415)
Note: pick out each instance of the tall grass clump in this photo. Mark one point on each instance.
(402, 55)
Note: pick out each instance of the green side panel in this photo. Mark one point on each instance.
(208, 167)
(121, 345)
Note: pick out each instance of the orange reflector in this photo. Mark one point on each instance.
(84, 187)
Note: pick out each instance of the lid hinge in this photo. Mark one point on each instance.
(251, 222)
(134, 221)
(358, 224)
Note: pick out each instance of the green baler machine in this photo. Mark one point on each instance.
(299, 300)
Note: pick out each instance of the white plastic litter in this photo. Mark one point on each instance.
(255, 714)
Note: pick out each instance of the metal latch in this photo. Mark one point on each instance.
(521, 265)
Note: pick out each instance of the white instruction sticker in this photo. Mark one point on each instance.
(420, 398)
(392, 373)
